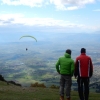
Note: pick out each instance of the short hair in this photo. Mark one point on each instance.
(83, 50)
(68, 51)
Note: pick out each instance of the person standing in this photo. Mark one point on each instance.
(65, 67)
(83, 73)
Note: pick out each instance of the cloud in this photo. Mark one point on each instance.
(70, 4)
(6, 19)
(41, 24)
(68, 8)
(32, 3)
(21, 19)
(60, 4)
(3, 22)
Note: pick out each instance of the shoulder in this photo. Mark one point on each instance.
(61, 58)
(88, 57)
(78, 57)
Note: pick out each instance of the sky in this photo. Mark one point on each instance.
(19, 17)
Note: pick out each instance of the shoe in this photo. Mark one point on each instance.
(61, 97)
(68, 99)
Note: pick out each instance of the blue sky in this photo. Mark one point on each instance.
(19, 17)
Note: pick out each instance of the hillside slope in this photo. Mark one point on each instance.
(12, 92)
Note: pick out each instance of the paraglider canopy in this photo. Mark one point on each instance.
(28, 36)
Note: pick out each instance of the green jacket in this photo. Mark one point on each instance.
(65, 65)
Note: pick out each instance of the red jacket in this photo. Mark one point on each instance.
(83, 66)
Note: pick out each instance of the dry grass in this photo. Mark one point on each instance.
(11, 92)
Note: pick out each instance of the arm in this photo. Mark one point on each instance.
(76, 68)
(72, 68)
(57, 66)
(91, 68)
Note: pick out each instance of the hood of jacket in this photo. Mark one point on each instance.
(67, 55)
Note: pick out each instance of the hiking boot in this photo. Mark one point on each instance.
(61, 97)
(68, 99)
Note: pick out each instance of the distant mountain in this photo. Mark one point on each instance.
(54, 37)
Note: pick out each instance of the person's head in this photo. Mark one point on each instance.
(83, 50)
(68, 51)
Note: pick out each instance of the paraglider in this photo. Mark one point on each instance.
(26, 49)
(28, 36)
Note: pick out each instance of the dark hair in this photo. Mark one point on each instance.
(68, 51)
(83, 50)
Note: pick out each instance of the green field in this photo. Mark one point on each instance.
(12, 92)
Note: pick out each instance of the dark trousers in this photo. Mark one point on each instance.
(83, 88)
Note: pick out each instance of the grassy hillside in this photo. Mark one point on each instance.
(12, 92)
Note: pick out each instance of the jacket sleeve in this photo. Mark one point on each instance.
(91, 68)
(57, 66)
(76, 71)
(72, 68)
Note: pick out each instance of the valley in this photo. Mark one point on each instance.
(37, 64)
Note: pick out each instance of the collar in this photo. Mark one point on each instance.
(83, 53)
